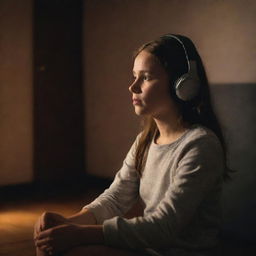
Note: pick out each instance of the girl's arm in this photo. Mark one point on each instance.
(85, 217)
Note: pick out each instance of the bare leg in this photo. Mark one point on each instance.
(100, 250)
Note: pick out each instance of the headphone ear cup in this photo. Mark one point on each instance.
(187, 86)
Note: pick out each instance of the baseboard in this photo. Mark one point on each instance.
(52, 188)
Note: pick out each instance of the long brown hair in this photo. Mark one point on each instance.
(199, 110)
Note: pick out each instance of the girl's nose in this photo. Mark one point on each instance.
(134, 87)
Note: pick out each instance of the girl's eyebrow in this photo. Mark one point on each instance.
(142, 71)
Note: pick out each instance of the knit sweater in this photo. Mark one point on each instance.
(180, 189)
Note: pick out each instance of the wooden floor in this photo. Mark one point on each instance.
(18, 215)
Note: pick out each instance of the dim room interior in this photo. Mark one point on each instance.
(67, 120)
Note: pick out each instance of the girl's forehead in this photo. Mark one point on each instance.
(146, 61)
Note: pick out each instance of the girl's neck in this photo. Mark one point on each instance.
(169, 129)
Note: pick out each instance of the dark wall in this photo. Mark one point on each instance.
(58, 91)
(235, 104)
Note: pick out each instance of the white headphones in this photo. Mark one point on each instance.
(187, 85)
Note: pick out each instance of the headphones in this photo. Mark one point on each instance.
(186, 86)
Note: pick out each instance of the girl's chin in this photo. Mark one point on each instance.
(140, 112)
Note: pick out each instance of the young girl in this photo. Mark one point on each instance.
(175, 168)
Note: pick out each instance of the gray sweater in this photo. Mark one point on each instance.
(180, 189)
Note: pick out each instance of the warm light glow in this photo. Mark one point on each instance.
(17, 221)
(20, 217)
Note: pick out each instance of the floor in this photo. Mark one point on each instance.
(18, 215)
(19, 212)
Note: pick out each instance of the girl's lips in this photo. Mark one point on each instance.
(136, 102)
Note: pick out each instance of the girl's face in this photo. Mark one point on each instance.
(151, 88)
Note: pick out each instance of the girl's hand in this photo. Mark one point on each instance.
(48, 220)
(58, 239)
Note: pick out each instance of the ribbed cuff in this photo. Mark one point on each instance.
(111, 235)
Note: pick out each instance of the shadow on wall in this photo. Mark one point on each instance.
(235, 105)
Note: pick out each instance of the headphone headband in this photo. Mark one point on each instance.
(183, 46)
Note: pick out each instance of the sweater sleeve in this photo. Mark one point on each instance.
(199, 169)
(122, 193)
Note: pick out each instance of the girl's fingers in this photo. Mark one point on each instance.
(44, 234)
(44, 248)
(47, 250)
(43, 242)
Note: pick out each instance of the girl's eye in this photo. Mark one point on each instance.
(146, 78)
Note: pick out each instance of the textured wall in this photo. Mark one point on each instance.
(16, 92)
